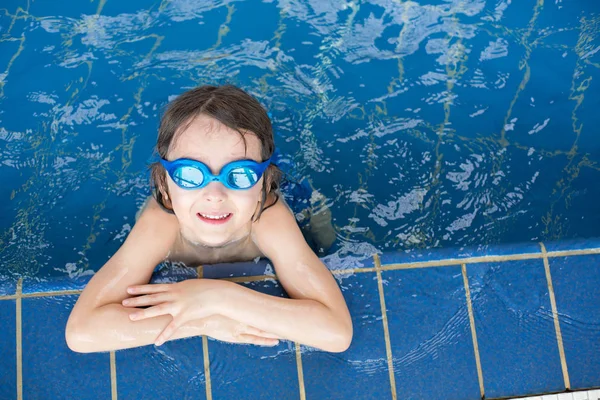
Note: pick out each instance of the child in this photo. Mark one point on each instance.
(215, 200)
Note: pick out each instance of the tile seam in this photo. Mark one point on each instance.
(473, 330)
(205, 356)
(386, 331)
(385, 267)
(19, 339)
(301, 386)
(559, 339)
(207, 381)
(481, 259)
(113, 375)
(254, 278)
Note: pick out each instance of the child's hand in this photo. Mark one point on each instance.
(228, 330)
(185, 301)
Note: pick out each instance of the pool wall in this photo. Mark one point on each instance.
(493, 321)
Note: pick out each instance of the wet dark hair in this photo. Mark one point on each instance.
(232, 107)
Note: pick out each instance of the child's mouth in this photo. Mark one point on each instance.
(215, 219)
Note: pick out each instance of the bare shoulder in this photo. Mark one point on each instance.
(276, 209)
(156, 225)
(151, 206)
(301, 273)
(147, 244)
(276, 233)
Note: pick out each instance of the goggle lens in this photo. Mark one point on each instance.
(188, 177)
(242, 178)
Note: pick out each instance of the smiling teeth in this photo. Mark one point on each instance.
(215, 216)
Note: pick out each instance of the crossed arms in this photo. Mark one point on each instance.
(316, 314)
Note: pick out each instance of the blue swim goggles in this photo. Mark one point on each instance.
(237, 175)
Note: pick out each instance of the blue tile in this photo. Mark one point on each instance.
(573, 244)
(226, 270)
(50, 369)
(515, 331)
(252, 372)
(34, 285)
(174, 370)
(360, 372)
(341, 261)
(576, 281)
(429, 332)
(164, 273)
(171, 272)
(265, 267)
(75, 12)
(8, 286)
(8, 365)
(439, 254)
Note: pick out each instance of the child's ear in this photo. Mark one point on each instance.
(268, 178)
(166, 199)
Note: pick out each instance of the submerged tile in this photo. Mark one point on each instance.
(226, 270)
(250, 371)
(7, 286)
(515, 330)
(573, 244)
(174, 370)
(576, 282)
(335, 262)
(8, 364)
(50, 369)
(55, 284)
(459, 253)
(361, 372)
(163, 273)
(171, 272)
(430, 334)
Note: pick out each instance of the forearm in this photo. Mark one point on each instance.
(302, 320)
(110, 328)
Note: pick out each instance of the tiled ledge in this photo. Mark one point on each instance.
(496, 321)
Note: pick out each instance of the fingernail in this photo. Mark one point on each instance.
(125, 302)
(133, 316)
(130, 290)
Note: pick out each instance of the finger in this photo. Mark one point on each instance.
(250, 330)
(143, 289)
(261, 341)
(268, 335)
(147, 300)
(167, 332)
(161, 309)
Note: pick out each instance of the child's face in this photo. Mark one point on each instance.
(214, 144)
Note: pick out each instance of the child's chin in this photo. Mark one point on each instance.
(214, 240)
(205, 240)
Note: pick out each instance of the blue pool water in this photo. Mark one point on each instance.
(431, 124)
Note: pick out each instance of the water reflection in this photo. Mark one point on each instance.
(424, 124)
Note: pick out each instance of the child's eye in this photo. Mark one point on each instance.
(242, 178)
(188, 177)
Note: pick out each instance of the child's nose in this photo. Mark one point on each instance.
(215, 191)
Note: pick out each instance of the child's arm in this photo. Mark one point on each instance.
(317, 314)
(98, 321)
